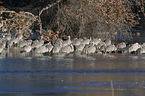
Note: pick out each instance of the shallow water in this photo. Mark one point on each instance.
(73, 75)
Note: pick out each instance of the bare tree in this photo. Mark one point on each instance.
(99, 17)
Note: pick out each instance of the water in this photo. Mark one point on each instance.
(73, 75)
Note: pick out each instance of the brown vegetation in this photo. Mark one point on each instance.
(78, 18)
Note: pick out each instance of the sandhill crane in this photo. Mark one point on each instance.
(90, 48)
(100, 44)
(49, 46)
(65, 49)
(41, 49)
(27, 48)
(56, 48)
(58, 42)
(107, 42)
(80, 47)
(29, 42)
(20, 34)
(134, 47)
(14, 40)
(110, 48)
(76, 41)
(121, 45)
(143, 45)
(86, 41)
(67, 42)
(96, 41)
(37, 44)
(142, 50)
(22, 43)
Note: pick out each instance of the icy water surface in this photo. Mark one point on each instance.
(72, 75)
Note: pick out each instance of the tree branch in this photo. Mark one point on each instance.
(47, 7)
(8, 11)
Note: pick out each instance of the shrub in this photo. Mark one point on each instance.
(78, 18)
(96, 18)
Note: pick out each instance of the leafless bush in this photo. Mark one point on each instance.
(96, 18)
(78, 18)
(13, 21)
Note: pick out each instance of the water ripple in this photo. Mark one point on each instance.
(76, 71)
